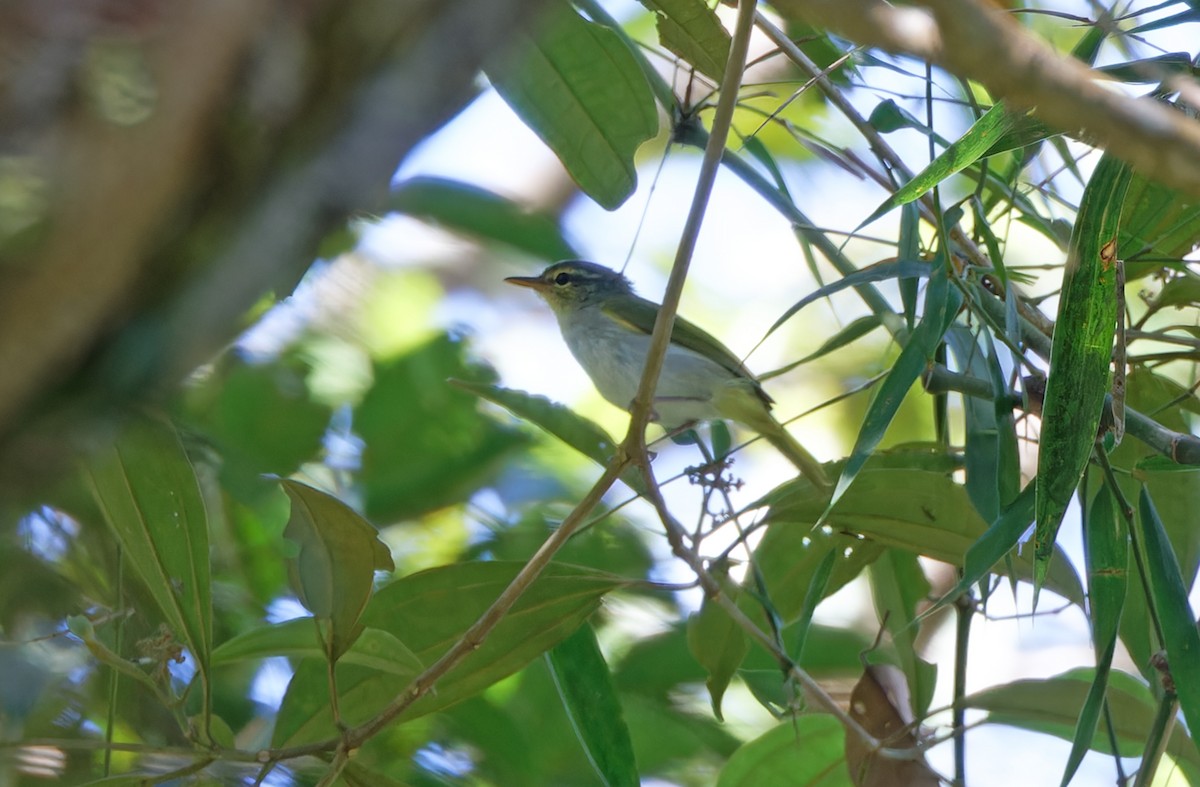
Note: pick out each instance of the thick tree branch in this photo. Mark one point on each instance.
(979, 41)
(267, 125)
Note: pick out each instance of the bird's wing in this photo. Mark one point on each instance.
(638, 314)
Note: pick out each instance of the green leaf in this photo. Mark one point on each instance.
(481, 214)
(1170, 594)
(898, 586)
(1174, 495)
(583, 435)
(900, 269)
(587, 692)
(146, 488)
(918, 511)
(691, 29)
(801, 752)
(1081, 355)
(429, 611)
(1107, 557)
(720, 645)
(941, 306)
(969, 148)
(335, 569)
(1001, 537)
(992, 465)
(260, 417)
(580, 89)
(1052, 706)
(1179, 291)
(427, 444)
(299, 639)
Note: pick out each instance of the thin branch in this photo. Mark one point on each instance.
(473, 637)
(979, 41)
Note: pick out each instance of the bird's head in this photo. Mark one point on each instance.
(572, 284)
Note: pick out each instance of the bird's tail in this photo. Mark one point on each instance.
(806, 463)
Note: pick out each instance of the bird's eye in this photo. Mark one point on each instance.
(562, 278)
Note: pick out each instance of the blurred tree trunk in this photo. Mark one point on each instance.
(163, 165)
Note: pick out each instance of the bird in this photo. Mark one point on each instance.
(607, 327)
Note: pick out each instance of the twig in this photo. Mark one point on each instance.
(981, 42)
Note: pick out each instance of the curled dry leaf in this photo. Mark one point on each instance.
(880, 703)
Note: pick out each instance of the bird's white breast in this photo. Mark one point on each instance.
(614, 356)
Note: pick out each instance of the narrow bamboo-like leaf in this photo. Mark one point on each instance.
(909, 249)
(590, 698)
(805, 751)
(580, 89)
(898, 585)
(898, 269)
(147, 489)
(1001, 537)
(573, 429)
(982, 432)
(941, 306)
(818, 588)
(429, 611)
(1170, 594)
(1151, 69)
(720, 645)
(691, 29)
(968, 149)
(1107, 557)
(335, 569)
(482, 214)
(847, 335)
(1081, 354)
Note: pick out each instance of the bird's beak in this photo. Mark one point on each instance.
(532, 282)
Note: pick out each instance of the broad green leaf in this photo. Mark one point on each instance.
(298, 639)
(580, 89)
(720, 645)
(801, 752)
(1107, 556)
(427, 444)
(916, 510)
(429, 611)
(1170, 594)
(898, 586)
(147, 489)
(477, 212)
(791, 553)
(969, 148)
(587, 692)
(583, 435)
(1052, 706)
(1081, 354)
(691, 29)
(339, 553)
